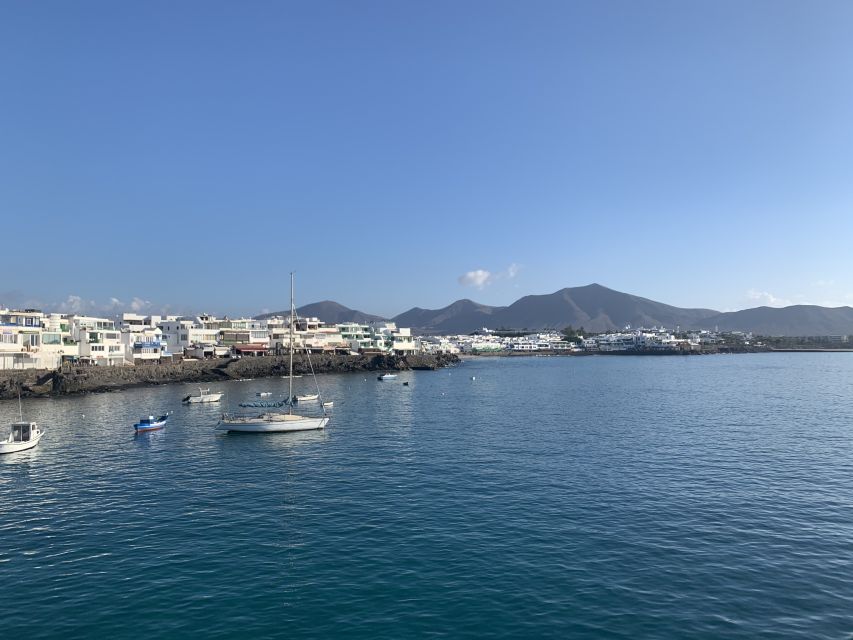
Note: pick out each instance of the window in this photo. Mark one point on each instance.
(9, 338)
(51, 338)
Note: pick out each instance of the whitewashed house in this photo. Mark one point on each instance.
(98, 340)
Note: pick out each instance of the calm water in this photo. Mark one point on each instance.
(599, 497)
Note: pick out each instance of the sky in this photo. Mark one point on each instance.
(185, 157)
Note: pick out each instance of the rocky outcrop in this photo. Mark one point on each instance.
(73, 380)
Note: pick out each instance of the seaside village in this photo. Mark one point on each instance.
(32, 339)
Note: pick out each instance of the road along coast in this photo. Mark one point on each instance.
(77, 380)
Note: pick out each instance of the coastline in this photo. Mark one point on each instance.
(34, 383)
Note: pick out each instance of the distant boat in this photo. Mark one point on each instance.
(264, 394)
(204, 395)
(22, 435)
(312, 397)
(280, 422)
(328, 405)
(387, 376)
(287, 377)
(151, 423)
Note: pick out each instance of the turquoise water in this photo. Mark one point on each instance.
(598, 497)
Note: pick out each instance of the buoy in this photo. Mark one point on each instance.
(473, 377)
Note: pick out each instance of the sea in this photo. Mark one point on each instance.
(531, 497)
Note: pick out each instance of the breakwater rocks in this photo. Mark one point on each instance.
(33, 383)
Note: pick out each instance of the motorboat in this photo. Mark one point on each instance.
(387, 376)
(313, 397)
(23, 435)
(151, 423)
(204, 395)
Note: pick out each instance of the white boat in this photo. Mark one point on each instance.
(204, 395)
(308, 398)
(264, 394)
(23, 435)
(387, 376)
(328, 405)
(280, 422)
(272, 423)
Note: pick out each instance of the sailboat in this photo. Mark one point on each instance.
(279, 422)
(24, 435)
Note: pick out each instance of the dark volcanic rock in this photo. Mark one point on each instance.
(95, 379)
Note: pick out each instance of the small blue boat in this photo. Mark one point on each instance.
(151, 423)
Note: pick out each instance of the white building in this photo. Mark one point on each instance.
(145, 345)
(98, 340)
(180, 334)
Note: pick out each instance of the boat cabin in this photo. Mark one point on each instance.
(22, 431)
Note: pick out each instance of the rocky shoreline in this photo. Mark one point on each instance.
(78, 380)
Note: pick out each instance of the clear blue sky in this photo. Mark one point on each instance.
(191, 154)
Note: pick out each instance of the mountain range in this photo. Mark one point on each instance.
(597, 308)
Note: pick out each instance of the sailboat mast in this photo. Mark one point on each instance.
(20, 408)
(290, 378)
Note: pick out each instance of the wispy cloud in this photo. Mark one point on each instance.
(138, 304)
(481, 278)
(767, 299)
(77, 304)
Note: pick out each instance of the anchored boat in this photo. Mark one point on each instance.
(204, 395)
(22, 435)
(281, 422)
(151, 423)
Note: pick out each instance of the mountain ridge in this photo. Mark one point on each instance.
(597, 308)
(328, 311)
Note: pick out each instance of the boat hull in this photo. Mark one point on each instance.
(263, 425)
(152, 427)
(13, 447)
(213, 397)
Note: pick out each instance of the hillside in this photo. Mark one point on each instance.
(328, 311)
(593, 307)
(463, 316)
(797, 320)
(596, 308)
